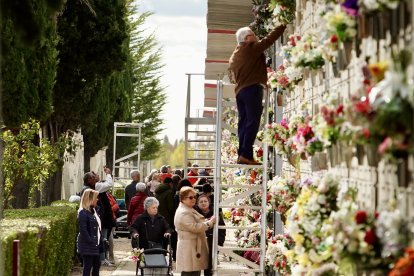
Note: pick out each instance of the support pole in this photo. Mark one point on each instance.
(16, 258)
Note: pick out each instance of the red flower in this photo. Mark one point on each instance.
(370, 237)
(334, 38)
(340, 109)
(273, 241)
(361, 217)
(366, 133)
(259, 152)
(363, 106)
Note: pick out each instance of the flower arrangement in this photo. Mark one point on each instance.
(374, 5)
(283, 11)
(340, 25)
(277, 247)
(328, 124)
(278, 134)
(305, 221)
(307, 53)
(284, 79)
(262, 17)
(136, 255)
(283, 193)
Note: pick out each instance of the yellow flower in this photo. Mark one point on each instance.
(290, 255)
(298, 238)
(378, 69)
(303, 259)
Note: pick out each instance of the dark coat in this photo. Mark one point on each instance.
(130, 191)
(105, 212)
(87, 238)
(209, 232)
(150, 230)
(136, 207)
(165, 196)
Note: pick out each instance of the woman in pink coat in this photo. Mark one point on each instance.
(192, 248)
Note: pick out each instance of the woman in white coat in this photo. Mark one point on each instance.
(192, 248)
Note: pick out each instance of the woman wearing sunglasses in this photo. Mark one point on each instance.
(192, 248)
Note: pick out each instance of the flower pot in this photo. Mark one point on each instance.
(345, 153)
(319, 162)
(279, 99)
(360, 152)
(332, 155)
(403, 174)
(348, 45)
(373, 156)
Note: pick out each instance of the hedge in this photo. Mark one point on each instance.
(47, 239)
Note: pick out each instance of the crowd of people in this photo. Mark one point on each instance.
(169, 207)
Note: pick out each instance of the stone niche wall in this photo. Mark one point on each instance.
(377, 185)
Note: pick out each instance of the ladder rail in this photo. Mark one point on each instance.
(225, 204)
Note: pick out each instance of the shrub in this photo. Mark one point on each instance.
(47, 239)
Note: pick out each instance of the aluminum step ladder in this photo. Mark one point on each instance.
(199, 137)
(230, 249)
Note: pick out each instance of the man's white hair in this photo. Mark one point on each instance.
(242, 33)
(134, 173)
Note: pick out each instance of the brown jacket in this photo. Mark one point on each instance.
(248, 62)
(192, 248)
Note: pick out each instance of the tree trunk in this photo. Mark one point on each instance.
(53, 188)
(20, 195)
(86, 158)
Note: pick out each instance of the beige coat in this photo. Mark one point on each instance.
(192, 248)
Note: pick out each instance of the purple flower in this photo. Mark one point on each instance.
(351, 7)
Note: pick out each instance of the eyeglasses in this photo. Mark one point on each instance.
(191, 197)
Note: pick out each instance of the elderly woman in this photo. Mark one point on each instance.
(136, 206)
(90, 235)
(150, 227)
(192, 248)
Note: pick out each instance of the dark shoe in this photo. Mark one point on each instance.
(244, 160)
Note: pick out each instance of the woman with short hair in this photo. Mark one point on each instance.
(150, 227)
(90, 235)
(136, 207)
(192, 248)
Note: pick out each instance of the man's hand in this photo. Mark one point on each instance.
(107, 170)
(167, 235)
(135, 235)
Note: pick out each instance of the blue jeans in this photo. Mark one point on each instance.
(249, 106)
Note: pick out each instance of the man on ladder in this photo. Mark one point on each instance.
(249, 72)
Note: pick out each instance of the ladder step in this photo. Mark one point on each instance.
(200, 141)
(202, 131)
(126, 167)
(241, 166)
(241, 207)
(237, 185)
(220, 248)
(221, 271)
(201, 121)
(201, 159)
(240, 227)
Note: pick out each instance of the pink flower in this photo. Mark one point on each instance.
(283, 81)
(284, 123)
(385, 145)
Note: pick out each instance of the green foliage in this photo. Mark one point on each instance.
(47, 239)
(28, 71)
(149, 97)
(99, 32)
(26, 157)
